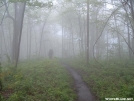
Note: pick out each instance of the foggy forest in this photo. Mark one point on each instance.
(66, 50)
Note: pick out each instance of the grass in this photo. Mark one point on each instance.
(111, 80)
(37, 81)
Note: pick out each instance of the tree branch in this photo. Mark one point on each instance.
(3, 16)
(8, 15)
(4, 4)
(104, 28)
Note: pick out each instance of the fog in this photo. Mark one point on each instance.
(66, 50)
(62, 26)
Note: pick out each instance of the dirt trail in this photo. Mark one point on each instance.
(83, 92)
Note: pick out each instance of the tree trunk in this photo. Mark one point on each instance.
(19, 16)
(62, 39)
(129, 43)
(87, 48)
(107, 45)
(132, 13)
(27, 40)
(1, 41)
(6, 48)
(30, 41)
(118, 36)
(72, 40)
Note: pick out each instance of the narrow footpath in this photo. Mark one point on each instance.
(83, 92)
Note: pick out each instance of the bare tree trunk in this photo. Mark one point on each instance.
(107, 45)
(30, 41)
(73, 43)
(21, 17)
(119, 44)
(27, 41)
(80, 34)
(85, 38)
(131, 22)
(10, 41)
(72, 37)
(87, 48)
(62, 40)
(97, 45)
(4, 41)
(129, 40)
(15, 35)
(118, 36)
(132, 12)
(37, 46)
(1, 55)
(13, 19)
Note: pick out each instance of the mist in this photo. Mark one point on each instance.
(62, 26)
(78, 35)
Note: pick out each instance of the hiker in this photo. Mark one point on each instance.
(50, 54)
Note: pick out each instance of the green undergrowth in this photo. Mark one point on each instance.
(37, 81)
(107, 79)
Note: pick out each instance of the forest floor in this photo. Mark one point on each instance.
(50, 80)
(83, 92)
(37, 80)
(111, 79)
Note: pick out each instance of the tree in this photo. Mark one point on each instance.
(87, 32)
(19, 8)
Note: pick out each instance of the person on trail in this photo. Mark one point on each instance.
(50, 54)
